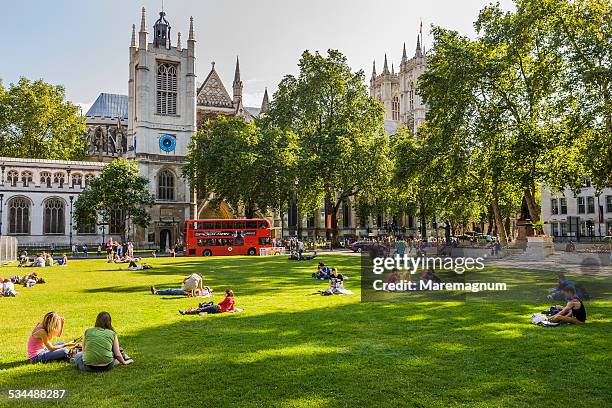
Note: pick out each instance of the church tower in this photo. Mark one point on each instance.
(161, 123)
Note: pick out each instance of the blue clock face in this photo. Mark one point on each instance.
(167, 143)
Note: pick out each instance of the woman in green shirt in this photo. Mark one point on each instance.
(101, 349)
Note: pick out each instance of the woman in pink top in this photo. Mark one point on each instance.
(40, 348)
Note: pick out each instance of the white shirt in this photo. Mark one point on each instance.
(191, 282)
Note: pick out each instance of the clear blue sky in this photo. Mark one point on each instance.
(84, 44)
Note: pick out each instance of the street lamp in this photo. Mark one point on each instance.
(71, 198)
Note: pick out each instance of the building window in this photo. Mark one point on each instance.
(59, 179)
(116, 221)
(87, 229)
(591, 205)
(609, 204)
(88, 178)
(310, 222)
(395, 108)
(166, 88)
(554, 229)
(586, 182)
(563, 229)
(26, 178)
(12, 177)
(554, 206)
(563, 205)
(292, 214)
(19, 215)
(53, 216)
(165, 185)
(77, 180)
(411, 97)
(45, 179)
(581, 205)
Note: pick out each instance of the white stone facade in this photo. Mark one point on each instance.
(586, 214)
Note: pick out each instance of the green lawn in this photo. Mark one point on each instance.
(289, 348)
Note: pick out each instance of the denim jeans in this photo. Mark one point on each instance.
(206, 309)
(170, 292)
(84, 367)
(47, 355)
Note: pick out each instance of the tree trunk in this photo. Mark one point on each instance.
(423, 222)
(499, 222)
(249, 211)
(447, 231)
(534, 212)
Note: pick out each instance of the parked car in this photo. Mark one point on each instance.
(361, 246)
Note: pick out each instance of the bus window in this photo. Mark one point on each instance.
(240, 225)
(251, 224)
(239, 241)
(226, 225)
(262, 224)
(207, 225)
(265, 241)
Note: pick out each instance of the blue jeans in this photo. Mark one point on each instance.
(84, 367)
(174, 292)
(47, 356)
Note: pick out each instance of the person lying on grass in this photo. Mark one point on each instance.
(40, 346)
(190, 285)
(226, 305)
(574, 312)
(101, 350)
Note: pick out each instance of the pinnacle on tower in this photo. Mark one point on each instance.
(392, 70)
(133, 42)
(418, 47)
(237, 85)
(191, 36)
(143, 23)
(265, 103)
(237, 71)
(386, 66)
(142, 34)
(178, 42)
(374, 69)
(404, 55)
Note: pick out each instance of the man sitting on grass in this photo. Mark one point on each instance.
(336, 285)
(574, 312)
(190, 285)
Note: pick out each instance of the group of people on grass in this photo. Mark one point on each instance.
(336, 280)
(41, 260)
(97, 350)
(193, 286)
(8, 284)
(573, 312)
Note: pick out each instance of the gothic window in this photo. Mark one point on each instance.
(53, 216)
(12, 177)
(396, 108)
(166, 88)
(19, 215)
(411, 97)
(26, 178)
(87, 228)
(165, 185)
(77, 180)
(88, 178)
(116, 221)
(45, 179)
(59, 179)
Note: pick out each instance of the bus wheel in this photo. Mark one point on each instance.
(207, 252)
(252, 251)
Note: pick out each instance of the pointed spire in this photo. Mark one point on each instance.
(191, 36)
(143, 23)
(386, 66)
(392, 70)
(418, 47)
(404, 55)
(374, 69)
(237, 71)
(265, 103)
(133, 42)
(178, 42)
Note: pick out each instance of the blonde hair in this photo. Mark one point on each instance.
(53, 323)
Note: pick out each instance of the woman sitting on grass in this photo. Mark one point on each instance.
(226, 305)
(574, 312)
(191, 284)
(40, 346)
(101, 350)
(336, 284)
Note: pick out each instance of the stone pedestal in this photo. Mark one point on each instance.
(524, 229)
(539, 248)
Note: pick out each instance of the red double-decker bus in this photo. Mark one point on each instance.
(227, 237)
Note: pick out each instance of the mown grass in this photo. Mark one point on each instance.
(293, 349)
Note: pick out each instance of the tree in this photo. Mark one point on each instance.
(343, 150)
(242, 164)
(37, 122)
(119, 190)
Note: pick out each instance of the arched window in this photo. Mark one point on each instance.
(45, 179)
(166, 89)
(53, 216)
(411, 96)
(59, 179)
(19, 215)
(165, 185)
(26, 178)
(12, 177)
(396, 108)
(88, 178)
(77, 180)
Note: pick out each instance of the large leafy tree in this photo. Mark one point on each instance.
(343, 150)
(119, 189)
(37, 122)
(242, 164)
